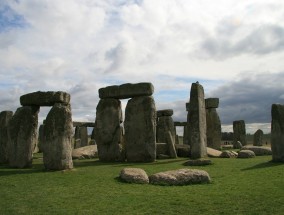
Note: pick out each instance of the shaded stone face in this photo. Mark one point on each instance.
(58, 131)
(180, 123)
(213, 128)
(257, 138)
(22, 134)
(45, 98)
(211, 103)
(277, 132)
(167, 112)
(125, 91)
(5, 117)
(41, 138)
(197, 122)
(107, 130)
(239, 129)
(82, 134)
(165, 124)
(140, 129)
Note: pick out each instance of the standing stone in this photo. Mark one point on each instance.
(197, 122)
(185, 135)
(239, 129)
(41, 138)
(5, 117)
(171, 145)
(82, 134)
(257, 138)
(22, 134)
(277, 132)
(107, 130)
(213, 129)
(58, 131)
(165, 124)
(140, 129)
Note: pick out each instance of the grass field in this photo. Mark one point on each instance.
(239, 186)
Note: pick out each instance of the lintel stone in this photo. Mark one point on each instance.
(180, 123)
(211, 103)
(166, 112)
(83, 124)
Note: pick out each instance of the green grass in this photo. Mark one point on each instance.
(239, 186)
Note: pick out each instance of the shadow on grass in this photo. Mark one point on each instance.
(6, 170)
(263, 165)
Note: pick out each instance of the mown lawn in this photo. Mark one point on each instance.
(239, 186)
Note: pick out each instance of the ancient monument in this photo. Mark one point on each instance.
(81, 134)
(277, 132)
(182, 124)
(196, 122)
(5, 117)
(239, 129)
(213, 123)
(257, 138)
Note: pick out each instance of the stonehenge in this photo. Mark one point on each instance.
(257, 138)
(239, 129)
(5, 117)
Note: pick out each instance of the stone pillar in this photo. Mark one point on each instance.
(107, 130)
(58, 131)
(197, 122)
(41, 138)
(213, 123)
(140, 129)
(277, 132)
(239, 129)
(257, 138)
(81, 133)
(5, 117)
(22, 134)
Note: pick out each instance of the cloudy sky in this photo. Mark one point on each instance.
(235, 49)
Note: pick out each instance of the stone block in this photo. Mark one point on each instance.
(211, 103)
(5, 117)
(167, 112)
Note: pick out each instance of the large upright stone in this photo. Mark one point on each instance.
(165, 124)
(140, 129)
(257, 138)
(45, 98)
(197, 122)
(41, 138)
(107, 130)
(213, 128)
(211, 103)
(81, 132)
(125, 91)
(277, 132)
(22, 134)
(239, 129)
(58, 131)
(5, 117)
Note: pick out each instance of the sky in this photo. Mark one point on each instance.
(235, 49)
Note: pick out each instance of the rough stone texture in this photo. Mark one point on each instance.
(134, 175)
(161, 148)
(171, 145)
(166, 112)
(162, 156)
(107, 130)
(227, 154)
(83, 133)
(198, 162)
(246, 154)
(22, 134)
(238, 145)
(77, 143)
(180, 123)
(41, 138)
(5, 117)
(176, 138)
(257, 138)
(92, 142)
(83, 124)
(187, 106)
(197, 122)
(211, 103)
(180, 177)
(45, 98)
(58, 131)
(239, 128)
(86, 152)
(140, 129)
(259, 150)
(213, 152)
(277, 132)
(182, 150)
(165, 124)
(185, 135)
(125, 91)
(213, 129)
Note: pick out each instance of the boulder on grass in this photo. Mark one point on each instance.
(213, 152)
(134, 175)
(246, 154)
(258, 150)
(228, 154)
(86, 152)
(180, 177)
(198, 162)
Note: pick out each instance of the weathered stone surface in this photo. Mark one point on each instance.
(125, 91)
(92, 142)
(198, 162)
(41, 138)
(176, 139)
(213, 152)
(277, 132)
(83, 124)
(187, 106)
(5, 117)
(185, 135)
(134, 175)
(86, 152)
(140, 129)
(182, 150)
(163, 156)
(22, 134)
(238, 145)
(161, 148)
(58, 131)
(227, 154)
(197, 122)
(45, 98)
(166, 112)
(83, 133)
(213, 124)
(180, 123)
(257, 138)
(180, 177)
(246, 154)
(171, 145)
(239, 128)
(77, 143)
(165, 124)
(259, 150)
(211, 103)
(107, 130)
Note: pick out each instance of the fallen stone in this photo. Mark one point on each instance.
(45, 98)
(86, 152)
(227, 154)
(198, 162)
(246, 154)
(166, 112)
(213, 152)
(180, 177)
(259, 150)
(211, 103)
(134, 175)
